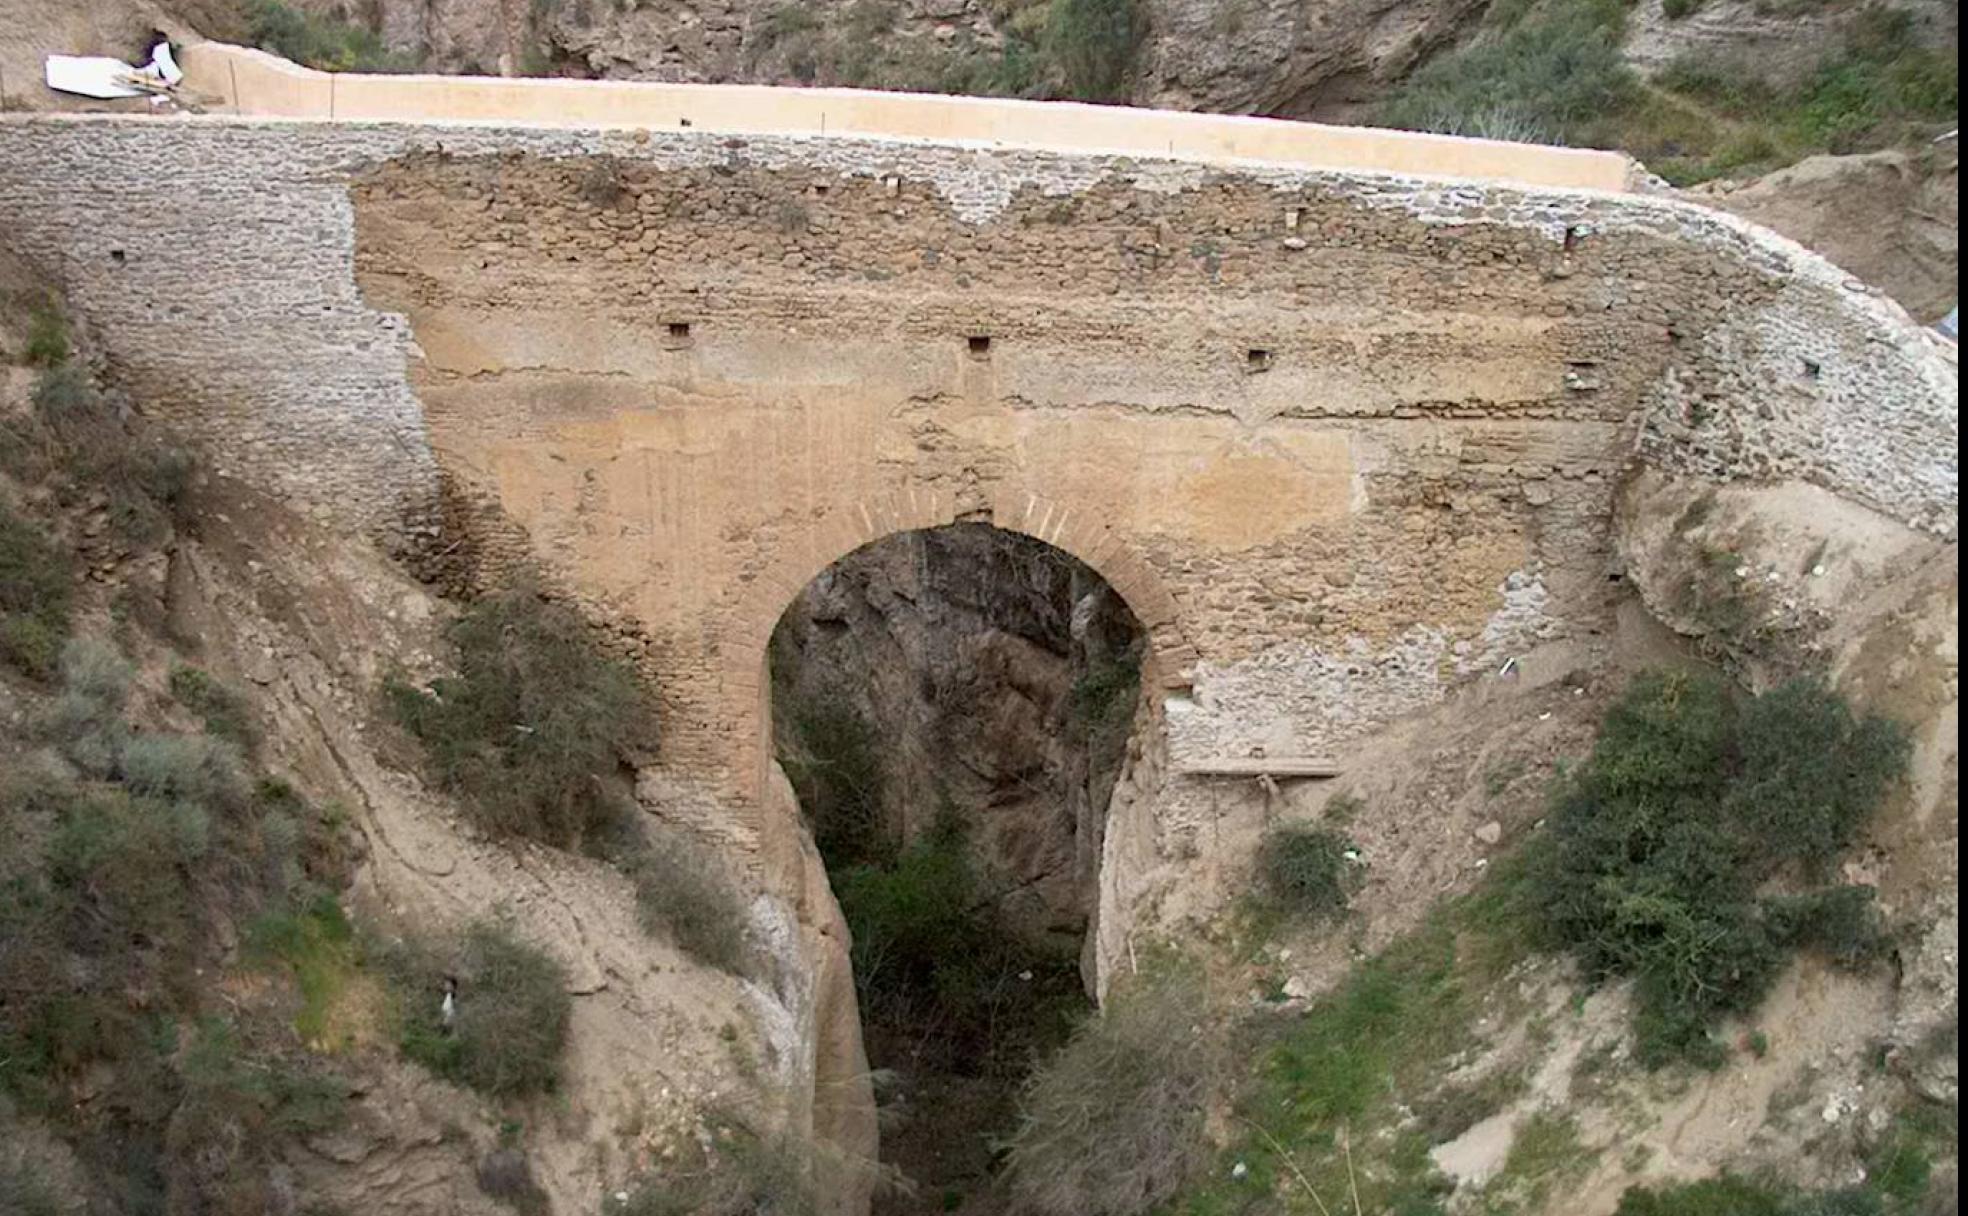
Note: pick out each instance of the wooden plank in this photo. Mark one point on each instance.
(1260, 766)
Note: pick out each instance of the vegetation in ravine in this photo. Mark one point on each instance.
(1103, 699)
(1086, 50)
(828, 752)
(931, 959)
(117, 870)
(1114, 1122)
(1304, 871)
(534, 730)
(320, 41)
(512, 1008)
(1554, 74)
(1658, 851)
(1658, 864)
(80, 444)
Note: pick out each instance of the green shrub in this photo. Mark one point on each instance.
(36, 597)
(534, 729)
(1544, 80)
(682, 892)
(110, 900)
(228, 1083)
(1900, 1167)
(837, 775)
(909, 918)
(1657, 847)
(221, 707)
(1103, 698)
(1361, 1063)
(1304, 870)
(239, 1101)
(1883, 81)
(932, 963)
(32, 956)
(78, 436)
(120, 863)
(1114, 1123)
(47, 336)
(87, 719)
(1807, 772)
(313, 939)
(1674, 10)
(512, 1010)
(1842, 923)
(321, 42)
(188, 770)
(1093, 45)
(111, 913)
(1879, 88)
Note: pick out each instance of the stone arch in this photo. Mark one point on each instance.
(1081, 534)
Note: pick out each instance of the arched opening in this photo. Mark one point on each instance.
(952, 706)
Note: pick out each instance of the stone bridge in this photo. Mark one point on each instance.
(1341, 414)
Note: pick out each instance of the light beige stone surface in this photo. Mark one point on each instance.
(248, 82)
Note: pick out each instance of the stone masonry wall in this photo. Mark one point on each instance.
(1340, 440)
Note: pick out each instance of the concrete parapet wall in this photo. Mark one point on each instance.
(254, 83)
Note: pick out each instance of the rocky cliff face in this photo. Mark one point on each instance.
(991, 677)
(1291, 57)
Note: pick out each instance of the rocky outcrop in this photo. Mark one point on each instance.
(1291, 57)
(1784, 43)
(1323, 59)
(1891, 218)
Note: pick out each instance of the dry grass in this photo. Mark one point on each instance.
(683, 893)
(1113, 1124)
(534, 729)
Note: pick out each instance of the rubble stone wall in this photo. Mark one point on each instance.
(1341, 440)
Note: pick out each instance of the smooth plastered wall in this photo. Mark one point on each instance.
(254, 83)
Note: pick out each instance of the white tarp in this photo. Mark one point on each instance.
(102, 76)
(163, 66)
(91, 76)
